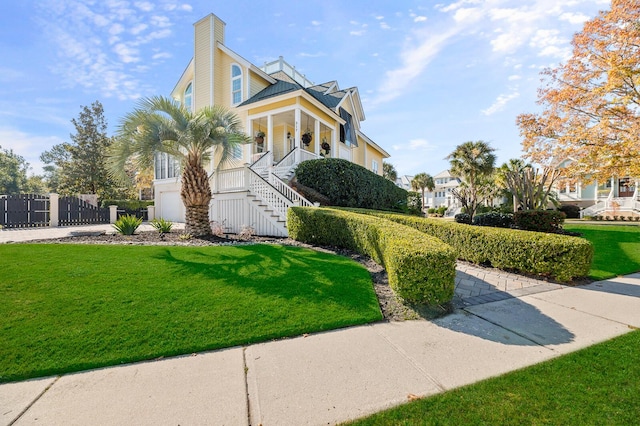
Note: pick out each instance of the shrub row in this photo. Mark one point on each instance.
(559, 256)
(128, 207)
(421, 269)
(539, 220)
(347, 184)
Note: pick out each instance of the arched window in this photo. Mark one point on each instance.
(188, 92)
(236, 84)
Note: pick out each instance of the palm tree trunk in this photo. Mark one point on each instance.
(196, 196)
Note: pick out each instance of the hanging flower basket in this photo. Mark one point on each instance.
(259, 138)
(325, 145)
(306, 138)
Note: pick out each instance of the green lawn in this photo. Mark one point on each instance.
(74, 307)
(616, 248)
(598, 385)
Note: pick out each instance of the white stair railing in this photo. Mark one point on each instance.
(288, 192)
(291, 160)
(265, 160)
(266, 193)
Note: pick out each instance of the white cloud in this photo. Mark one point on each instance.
(419, 19)
(514, 77)
(574, 18)
(145, 6)
(414, 145)
(104, 57)
(357, 33)
(27, 146)
(162, 55)
(316, 23)
(384, 26)
(500, 102)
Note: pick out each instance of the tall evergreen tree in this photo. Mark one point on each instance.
(81, 164)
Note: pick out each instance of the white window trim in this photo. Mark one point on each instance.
(184, 96)
(232, 79)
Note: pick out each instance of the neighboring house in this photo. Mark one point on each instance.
(290, 119)
(404, 182)
(616, 196)
(441, 194)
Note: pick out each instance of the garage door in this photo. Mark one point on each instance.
(171, 206)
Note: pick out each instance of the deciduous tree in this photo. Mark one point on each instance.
(592, 102)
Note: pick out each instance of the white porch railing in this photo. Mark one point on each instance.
(291, 160)
(230, 180)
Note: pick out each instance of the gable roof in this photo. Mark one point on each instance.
(286, 85)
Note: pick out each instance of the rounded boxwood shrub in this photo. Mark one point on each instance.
(347, 184)
(463, 218)
(539, 220)
(495, 219)
(571, 211)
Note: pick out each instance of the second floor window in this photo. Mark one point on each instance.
(188, 97)
(236, 84)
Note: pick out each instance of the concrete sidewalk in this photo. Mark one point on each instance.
(334, 376)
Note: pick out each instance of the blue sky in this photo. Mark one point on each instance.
(431, 74)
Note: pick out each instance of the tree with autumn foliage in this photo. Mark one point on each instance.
(592, 102)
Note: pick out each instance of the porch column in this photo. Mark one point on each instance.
(296, 133)
(316, 131)
(334, 141)
(270, 132)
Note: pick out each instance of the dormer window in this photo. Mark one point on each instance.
(188, 96)
(236, 84)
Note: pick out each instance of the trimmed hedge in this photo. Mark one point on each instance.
(495, 219)
(539, 220)
(347, 184)
(421, 269)
(128, 207)
(559, 256)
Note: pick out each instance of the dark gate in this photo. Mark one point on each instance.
(24, 210)
(74, 211)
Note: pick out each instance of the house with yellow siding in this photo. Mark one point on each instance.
(289, 119)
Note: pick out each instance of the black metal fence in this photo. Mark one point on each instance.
(74, 211)
(33, 210)
(24, 210)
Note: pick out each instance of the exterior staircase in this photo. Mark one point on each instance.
(258, 195)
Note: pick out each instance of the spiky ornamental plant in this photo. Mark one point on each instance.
(161, 124)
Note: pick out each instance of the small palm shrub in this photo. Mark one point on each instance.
(161, 225)
(127, 224)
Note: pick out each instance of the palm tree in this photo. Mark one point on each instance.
(422, 181)
(162, 125)
(474, 163)
(389, 171)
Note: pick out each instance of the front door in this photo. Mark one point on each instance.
(626, 188)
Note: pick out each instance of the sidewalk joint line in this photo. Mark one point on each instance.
(415, 365)
(37, 398)
(246, 383)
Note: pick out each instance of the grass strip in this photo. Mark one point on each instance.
(75, 307)
(616, 249)
(595, 386)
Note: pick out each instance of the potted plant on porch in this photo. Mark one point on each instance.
(259, 138)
